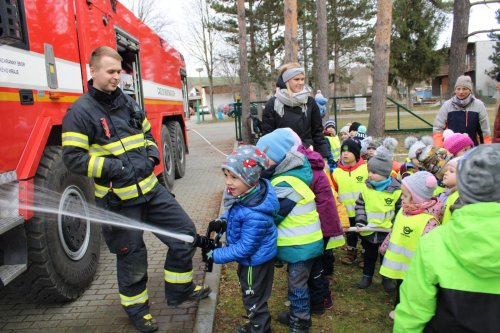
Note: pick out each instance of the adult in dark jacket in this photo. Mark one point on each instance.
(292, 106)
(463, 113)
(106, 135)
(453, 283)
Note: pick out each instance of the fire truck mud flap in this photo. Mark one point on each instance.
(177, 138)
(63, 250)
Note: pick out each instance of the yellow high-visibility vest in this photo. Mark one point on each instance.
(350, 185)
(449, 201)
(301, 226)
(405, 235)
(334, 146)
(380, 208)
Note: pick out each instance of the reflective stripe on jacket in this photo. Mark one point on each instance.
(350, 185)
(108, 137)
(403, 242)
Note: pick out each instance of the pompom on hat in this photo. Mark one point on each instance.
(455, 142)
(246, 163)
(478, 175)
(421, 185)
(276, 144)
(413, 144)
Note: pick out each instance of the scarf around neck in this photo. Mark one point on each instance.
(296, 99)
(462, 102)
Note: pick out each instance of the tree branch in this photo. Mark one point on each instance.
(481, 32)
(484, 2)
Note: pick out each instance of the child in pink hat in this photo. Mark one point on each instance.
(457, 143)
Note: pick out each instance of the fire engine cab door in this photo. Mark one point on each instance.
(131, 82)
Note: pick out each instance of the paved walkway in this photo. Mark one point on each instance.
(99, 309)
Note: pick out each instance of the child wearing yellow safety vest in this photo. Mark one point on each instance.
(420, 213)
(333, 143)
(348, 180)
(300, 240)
(449, 196)
(376, 207)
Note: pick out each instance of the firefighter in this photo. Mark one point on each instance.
(107, 136)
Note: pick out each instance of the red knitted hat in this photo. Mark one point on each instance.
(455, 142)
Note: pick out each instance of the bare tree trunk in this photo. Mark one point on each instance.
(322, 51)
(304, 50)
(376, 121)
(272, 56)
(458, 47)
(245, 86)
(291, 41)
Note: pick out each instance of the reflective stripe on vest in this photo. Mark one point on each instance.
(132, 300)
(334, 146)
(379, 207)
(405, 235)
(302, 225)
(175, 277)
(350, 185)
(334, 242)
(449, 201)
(128, 192)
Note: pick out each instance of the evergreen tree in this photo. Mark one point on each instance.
(350, 35)
(495, 57)
(415, 33)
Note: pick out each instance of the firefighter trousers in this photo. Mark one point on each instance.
(159, 208)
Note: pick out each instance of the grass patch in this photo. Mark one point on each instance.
(355, 310)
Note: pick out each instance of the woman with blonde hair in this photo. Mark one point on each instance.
(293, 107)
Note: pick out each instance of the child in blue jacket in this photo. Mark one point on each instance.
(251, 234)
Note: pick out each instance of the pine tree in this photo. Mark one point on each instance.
(495, 57)
(415, 33)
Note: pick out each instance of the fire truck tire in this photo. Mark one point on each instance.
(167, 177)
(63, 251)
(178, 142)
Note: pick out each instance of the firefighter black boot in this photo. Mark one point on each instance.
(145, 324)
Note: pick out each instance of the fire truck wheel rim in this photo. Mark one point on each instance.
(74, 231)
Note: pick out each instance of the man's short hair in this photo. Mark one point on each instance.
(103, 51)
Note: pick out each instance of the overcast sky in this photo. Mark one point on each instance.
(178, 12)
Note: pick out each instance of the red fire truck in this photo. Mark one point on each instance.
(44, 54)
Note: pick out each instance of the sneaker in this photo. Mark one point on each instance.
(391, 315)
(365, 282)
(350, 257)
(145, 323)
(198, 293)
(388, 284)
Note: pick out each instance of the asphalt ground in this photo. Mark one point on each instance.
(98, 310)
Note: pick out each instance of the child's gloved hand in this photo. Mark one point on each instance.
(217, 225)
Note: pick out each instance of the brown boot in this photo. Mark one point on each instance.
(350, 257)
(361, 260)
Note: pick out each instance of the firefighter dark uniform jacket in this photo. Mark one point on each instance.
(108, 137)
(453, 284)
